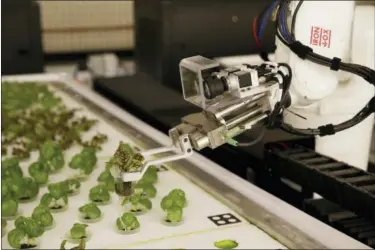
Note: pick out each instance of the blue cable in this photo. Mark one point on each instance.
(266, 18)
(283, 23)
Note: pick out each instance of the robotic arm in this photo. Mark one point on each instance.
(234, 100)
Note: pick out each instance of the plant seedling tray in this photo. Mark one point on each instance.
(206, 219)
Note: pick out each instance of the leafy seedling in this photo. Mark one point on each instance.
(138, 203)
(99, 194)
(81, 245)
(146, 190)
(51, 154)
(125, 159)
(90, 211)
(29, 187)
(84, 161)
(42, 215)
(73, 186)
(9, 207)
(10, 169)
(25, 234)
(150, 176)
(57, 197)
(39, 171)
(78, 231)
(226, 244)
(106, 179)
(127, 222)
(174, 214)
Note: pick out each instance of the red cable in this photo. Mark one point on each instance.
(255, 32)
(284, 145)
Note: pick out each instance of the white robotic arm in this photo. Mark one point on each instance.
(235, 100)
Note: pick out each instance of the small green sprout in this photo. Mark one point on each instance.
(138, 203)
(42, 215)
(105, 176)
(85, 161)
(57, 197)
(90, 211)
(10, 168)
(125, 159)
(81, 245)
(16, 238)
(30, 188)
(97, 141)
(52, 155)
(106, 179)
(127, 222)
(99, 193)
(73, 185)
(146, 190)
(226, 244)
(174, 214)
(11, 188)
(39, 171)
(78, 231)
(9, 207)
(29, 225)
(151, 175)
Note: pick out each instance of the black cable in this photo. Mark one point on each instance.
(362, 71)
(255, 141)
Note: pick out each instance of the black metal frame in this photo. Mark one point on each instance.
(349, 187)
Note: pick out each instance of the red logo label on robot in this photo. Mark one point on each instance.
(320, 37)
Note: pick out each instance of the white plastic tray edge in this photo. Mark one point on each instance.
(329, 237)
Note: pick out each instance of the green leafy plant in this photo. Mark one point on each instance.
(106, 179)
(33, 115)
(150, 176)
(57, 197)
(174, 214)
(81, 245)
(85, 161)
(9, 207)
(78, 231)
(51, 154)
(90, 211)
(97, 141)
(42, 215)
(226, 244)
(125, 159)
(29, 187)
(138, 203)
(127, 222)
(40, 172)
(25, 234)
(73, 185)
(146, 190)
(11, 188)
(10, 169)
(99, 193)
(173, 205)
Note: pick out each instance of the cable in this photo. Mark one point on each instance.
(304, 52)
(255, 32)
(266, 18)
(255, 141)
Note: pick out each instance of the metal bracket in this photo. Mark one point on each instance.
(183, 147)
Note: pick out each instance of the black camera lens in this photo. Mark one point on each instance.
(214, 87)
